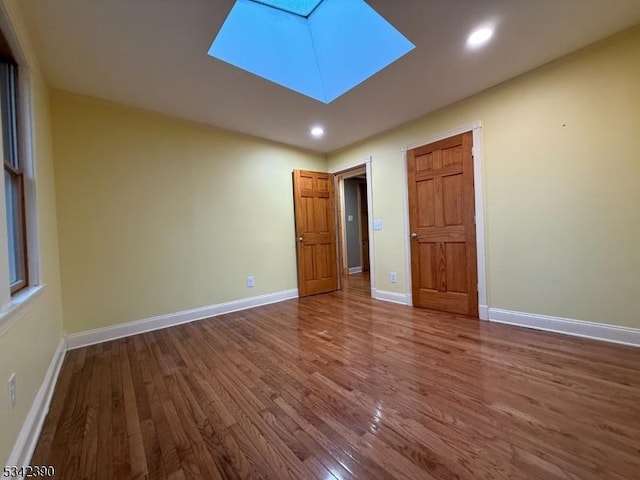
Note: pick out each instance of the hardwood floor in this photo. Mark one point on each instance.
(340, 386)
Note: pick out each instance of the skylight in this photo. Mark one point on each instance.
(340, 44)
(304, 8)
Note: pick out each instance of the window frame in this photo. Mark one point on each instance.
(14, 302)
(15, 168)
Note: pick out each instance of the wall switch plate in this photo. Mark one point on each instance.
(377, 224)
(349, 218)
(251, 281)
(11, 384)
(393, 277)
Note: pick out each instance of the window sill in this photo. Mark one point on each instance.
(18, 307)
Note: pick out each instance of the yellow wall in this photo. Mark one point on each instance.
(27, 348)
(158, 215)
(562, 185)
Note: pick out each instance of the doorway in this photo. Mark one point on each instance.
(314, 211)
(354, 237)
(320, 233)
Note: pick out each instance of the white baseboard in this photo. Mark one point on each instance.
(400, 298)
(483, 312)
(30, 432)
(354, 270)
(577, 328)
(99, 335)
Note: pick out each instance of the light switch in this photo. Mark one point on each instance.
(377, 224)
(349, 218)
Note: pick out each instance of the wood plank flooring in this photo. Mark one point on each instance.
(340, 386)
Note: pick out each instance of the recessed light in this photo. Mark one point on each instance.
(317, 132)
(480, 37)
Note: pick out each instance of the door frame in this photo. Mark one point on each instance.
(478, 173)
(338, 173)
(342, 224)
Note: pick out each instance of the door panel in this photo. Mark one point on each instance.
(441, 216)
(426, 198)
(315, 232)
(452, 199)
(455, 267)
(428, 277)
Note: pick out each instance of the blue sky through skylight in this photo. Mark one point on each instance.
(340, 45)
(299, 7)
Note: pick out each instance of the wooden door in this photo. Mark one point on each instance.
(315, 232)
(442, 219)
(364, 225)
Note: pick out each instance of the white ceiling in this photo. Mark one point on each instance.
(152, 54)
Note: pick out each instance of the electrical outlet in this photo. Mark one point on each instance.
(251, 282)
(393, 277)
(12, 390)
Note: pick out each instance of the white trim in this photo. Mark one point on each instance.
(18, 307)
(352, 165)
(577, 328)
(354, 270)
(27, 145)
(23, 56)
(481, 253)
(444, 135)
(372, 256)
(478, 174)
(99, 335)
(367, 163)
(30, 432)
(407, 229)
(393, 297)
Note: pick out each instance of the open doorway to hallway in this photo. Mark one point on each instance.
(353, 226)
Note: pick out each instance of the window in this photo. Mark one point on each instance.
(13, 177)
(19, 270)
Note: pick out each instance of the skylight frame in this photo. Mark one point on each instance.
(340, 45)
(304, 13)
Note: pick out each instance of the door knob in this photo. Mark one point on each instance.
(301, 239)
(414, 235)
